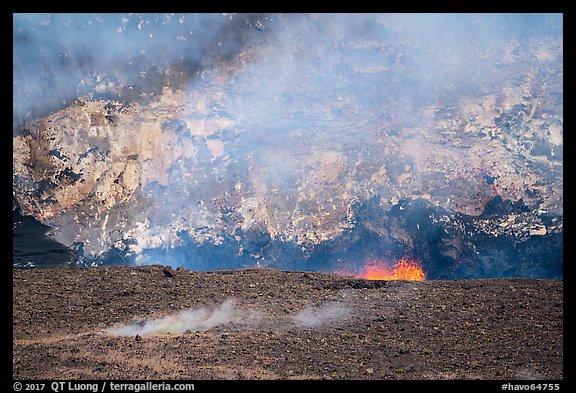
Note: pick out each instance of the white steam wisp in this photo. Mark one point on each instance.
(316, 316)
(200, 319)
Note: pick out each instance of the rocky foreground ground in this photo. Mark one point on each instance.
(270, 324)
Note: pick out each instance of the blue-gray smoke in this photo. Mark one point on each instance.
(330, 76)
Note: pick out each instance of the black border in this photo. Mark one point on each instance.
(459, 6)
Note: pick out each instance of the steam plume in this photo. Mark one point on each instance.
(200, 319)
(316, 316)
(228, 140)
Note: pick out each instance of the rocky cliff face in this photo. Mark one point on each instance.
(317, 151)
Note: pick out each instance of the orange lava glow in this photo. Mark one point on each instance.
(404, 269)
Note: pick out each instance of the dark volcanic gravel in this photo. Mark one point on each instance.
(288, 325)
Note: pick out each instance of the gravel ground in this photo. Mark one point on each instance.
(271, 324)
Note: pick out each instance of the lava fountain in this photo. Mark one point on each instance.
(404, 269)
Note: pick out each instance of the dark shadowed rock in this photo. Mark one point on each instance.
(168, 271)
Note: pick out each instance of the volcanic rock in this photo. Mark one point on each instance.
(482, 333)
(169, 271)
(352, 161)
(538, 231)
